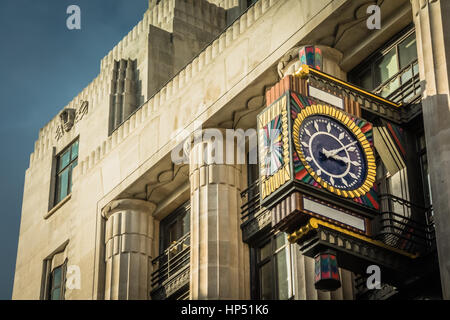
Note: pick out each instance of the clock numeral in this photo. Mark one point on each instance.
(344, 182)
(319, 172)
(307, 132)
(316, 126)
(341, 136)
(332, 180)
(329, 127)
(305, 144)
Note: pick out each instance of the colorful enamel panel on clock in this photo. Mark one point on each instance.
(334, 150)
(273, 146)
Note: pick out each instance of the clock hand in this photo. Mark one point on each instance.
(336, 151)
(336, 157)
(326, 153)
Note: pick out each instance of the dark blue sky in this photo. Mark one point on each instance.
(43, 66)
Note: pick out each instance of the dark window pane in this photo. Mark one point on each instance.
(407, 51)
(186, 228)
(74, 164)
(365, 80)
(280, 240)
(265, 251)
(282, 274)
(64, 160)
(57, 275)
(266, 282)
(56, 294)
(75, 150)
(385, 68)
(63, 182)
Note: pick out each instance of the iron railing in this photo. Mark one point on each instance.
(251, 204)
(403, 87)
(405, 225)
(172, 262)
(400, 223)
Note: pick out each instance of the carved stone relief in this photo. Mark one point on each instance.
(69, 117)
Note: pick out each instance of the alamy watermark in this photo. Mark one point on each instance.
(217, 146)
(374, 20)
(374, 280)
(73, 22)
(73, 277)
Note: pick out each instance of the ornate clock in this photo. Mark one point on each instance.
(334, 151)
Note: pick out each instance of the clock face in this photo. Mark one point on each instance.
(332, 152)
(272, 147)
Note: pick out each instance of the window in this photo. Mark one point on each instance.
(175, 226)
(272, 269)
(56, 284)
(392, 71)
(65, 162)
(54, 275)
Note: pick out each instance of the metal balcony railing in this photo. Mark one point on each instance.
(251, 204)
(173, 262)
(403, 87)
(405, 225)
(400, 223)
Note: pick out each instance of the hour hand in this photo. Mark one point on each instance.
(326, 153)
(339, 158)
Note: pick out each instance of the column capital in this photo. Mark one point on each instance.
(128, 204)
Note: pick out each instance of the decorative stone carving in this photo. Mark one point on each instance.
(69, 117)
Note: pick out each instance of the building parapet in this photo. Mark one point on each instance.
(151, 107)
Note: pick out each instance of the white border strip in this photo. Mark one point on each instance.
(326, 97)
(334, 214)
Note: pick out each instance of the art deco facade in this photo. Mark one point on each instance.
(104, 200)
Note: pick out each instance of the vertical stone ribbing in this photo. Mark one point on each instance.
(433, 46)
(124, 91)
(128, 255)
(219, 258)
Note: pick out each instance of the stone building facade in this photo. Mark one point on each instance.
(103, 200)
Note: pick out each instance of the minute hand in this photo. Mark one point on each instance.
(336, 151)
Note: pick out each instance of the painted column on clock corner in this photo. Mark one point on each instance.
(129, 236)
(219, 257)
(433, 45)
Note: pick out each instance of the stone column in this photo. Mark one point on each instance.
(433, 46)
(128, 255)
(219, 258)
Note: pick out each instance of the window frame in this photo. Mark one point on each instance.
(257, 264)
(175, 217)
(370, 62)
(62, 282)
(47, 280)
(59, 171)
